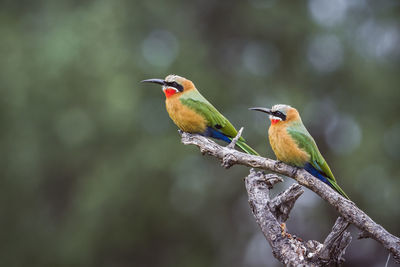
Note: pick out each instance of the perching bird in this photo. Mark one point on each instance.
(192, 113)
(293, 144)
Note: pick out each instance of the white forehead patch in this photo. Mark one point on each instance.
(280, 107)
(172, 78)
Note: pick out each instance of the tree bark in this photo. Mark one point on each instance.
(347, 209)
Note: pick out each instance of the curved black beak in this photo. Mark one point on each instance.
(265, 110)
(157, 81)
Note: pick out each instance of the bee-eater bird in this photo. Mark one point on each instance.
(192, 113)
(293, 144)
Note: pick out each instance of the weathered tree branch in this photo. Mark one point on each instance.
(282, 204)
(335, 244)
(290, 250)
(348, 210)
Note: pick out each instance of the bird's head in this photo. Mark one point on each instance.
(172, 85)
(280, 113)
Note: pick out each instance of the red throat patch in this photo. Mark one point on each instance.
(169, 92)
(274, 121)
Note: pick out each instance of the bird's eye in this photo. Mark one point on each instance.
(280, 115)
(179, 87)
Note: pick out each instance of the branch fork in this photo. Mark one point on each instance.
(269, 213)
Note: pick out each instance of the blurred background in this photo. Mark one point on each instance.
(93, 171)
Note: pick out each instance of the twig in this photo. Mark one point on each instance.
(348, 210)
(335, 243)
(387, 261)
(282, 204)
(234, 140)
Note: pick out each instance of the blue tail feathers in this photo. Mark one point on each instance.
(314, 172)
(210, 132)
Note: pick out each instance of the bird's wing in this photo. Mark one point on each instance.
(305, 141)
(194, 100)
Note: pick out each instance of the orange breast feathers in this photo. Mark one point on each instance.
(186, 119)
(284, 147)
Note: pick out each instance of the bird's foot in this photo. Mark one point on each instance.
(278, 164)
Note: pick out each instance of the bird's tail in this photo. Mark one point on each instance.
(246, 148)
(324, 178)
(337, 188)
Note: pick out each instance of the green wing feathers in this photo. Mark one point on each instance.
(321, 165)
(326, 171)
(246, 148)
(338, 189)
(305, 142)
(194, 100)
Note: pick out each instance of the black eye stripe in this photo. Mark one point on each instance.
(175, 85)
(279, 114)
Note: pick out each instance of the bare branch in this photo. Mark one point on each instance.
(269, 214)
(335, 244)
(291, 252)
(348, 210)
(234, 140)
(282, 204)
(272, 179)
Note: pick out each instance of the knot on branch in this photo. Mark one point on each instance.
(259, 178)
(363, 234)
(228, 161)
(313, 247)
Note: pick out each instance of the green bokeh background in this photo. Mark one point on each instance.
(93, 172)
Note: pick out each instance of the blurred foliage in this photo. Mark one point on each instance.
(93, 172)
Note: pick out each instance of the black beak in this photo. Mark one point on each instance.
(158, 81)
(265, 110)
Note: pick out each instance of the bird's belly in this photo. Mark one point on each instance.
(185, 118)
(285, 148)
